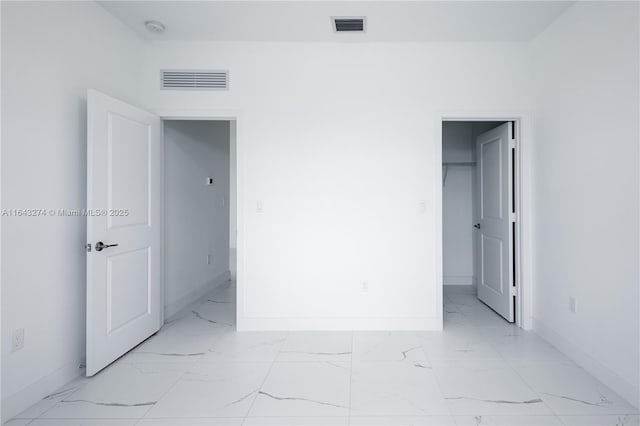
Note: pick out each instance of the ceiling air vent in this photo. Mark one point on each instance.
(352, 24)
(195, 80)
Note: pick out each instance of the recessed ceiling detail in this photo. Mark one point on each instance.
(195, 80)
(349, 24)
(155, 26)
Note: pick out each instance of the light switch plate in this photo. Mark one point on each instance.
(17, 340)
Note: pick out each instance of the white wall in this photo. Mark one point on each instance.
(196, 215)
(457, 204)
(341, 161)
(586, 172)
(51, 54)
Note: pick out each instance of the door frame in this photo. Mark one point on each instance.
(524, 193)
(234, 118)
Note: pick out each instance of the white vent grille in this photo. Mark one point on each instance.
(195, 80)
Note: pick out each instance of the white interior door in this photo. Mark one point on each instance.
(496, 219)
(123, 200)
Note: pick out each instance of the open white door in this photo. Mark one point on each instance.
(123, 228)
(497, 216)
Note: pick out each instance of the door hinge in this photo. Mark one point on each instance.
(513, 217)
(512, 291)
(88, 247)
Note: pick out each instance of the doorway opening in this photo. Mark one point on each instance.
(199, 241)
(480, 206)
(165, 190)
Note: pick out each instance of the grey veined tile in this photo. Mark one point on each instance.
(521, 420)
(191, 421)
(296, 421)
(307, 389)
(606, 420)
(461, 346)
(568, 389)
(317, 346)
(395, 389)
(403, 421)
(249, 346)
(212, 390)
(121, 391)
(387, 346)
(481, 387)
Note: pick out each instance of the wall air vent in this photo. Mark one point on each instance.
(349, 24)
(195, 80)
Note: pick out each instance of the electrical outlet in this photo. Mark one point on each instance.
(422, 206)
(209, 259)
(259, 207)
(364, 286)
(573, 305)
(17, 340)
(209, 181)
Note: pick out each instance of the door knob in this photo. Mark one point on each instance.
(477, 226)
(101, 246)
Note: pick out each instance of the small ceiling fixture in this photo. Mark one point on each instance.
(154, 26)
(353, 24)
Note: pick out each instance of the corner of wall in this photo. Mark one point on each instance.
(620, 385)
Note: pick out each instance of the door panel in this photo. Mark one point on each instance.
(128, 170)
(129, 292)
(492, 251)
(495, 257)
(491, 198)
(123, 187)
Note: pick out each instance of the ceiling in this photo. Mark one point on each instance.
(305, 21)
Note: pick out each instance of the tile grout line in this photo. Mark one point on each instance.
(435, 378)
(506, 361)
(244, 419)
(168, 390)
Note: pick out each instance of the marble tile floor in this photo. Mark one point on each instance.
(199, 371)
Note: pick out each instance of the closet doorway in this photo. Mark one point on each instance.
(479, 212)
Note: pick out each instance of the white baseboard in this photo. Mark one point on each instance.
(33, 393)
(458, 280)
(461, 289)
(618, 384)
(173, 308)
(340, 324)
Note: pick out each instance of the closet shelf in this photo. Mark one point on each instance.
(459, 163)
(448, 164)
